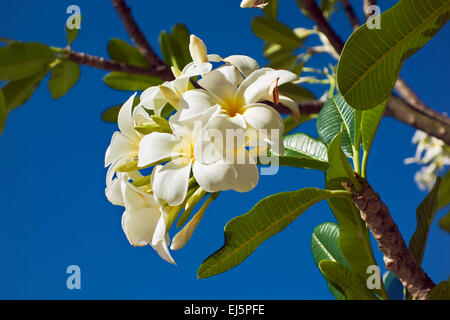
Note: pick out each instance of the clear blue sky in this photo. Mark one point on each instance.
(52, 204)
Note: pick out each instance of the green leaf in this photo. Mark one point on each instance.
(372, 58)
(20, 60)
(340, 168)
(3, 111)
(370, 120)
(122, 51)
(271, 10)
(63, 78)
(324, 246)
(175, 46)
(440, 292)
(245, 233)
(111, 114)
(335, 113)
(19, 91)
(354, 241)
(296, 92)
(275, 31)
(425, 213)
(444, 191)
(130, 82)
(72, 34)
(353, 286)
(180, 39)
(444, 222)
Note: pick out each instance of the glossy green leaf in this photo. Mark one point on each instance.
(245, 233)
(425, 213)
(349, 282)
(370, 120)
(440, 292)
(444, 191)
(3, 111)
(63, 78)
(122, 51)
(324, 246)
(130, 82)
(18, 92)
(372, 58)
(354, 241)
(335, 113)
(303, 151)
(340, 168)
(20, 60)
(276, 32)
(175, 46)
(271, 9)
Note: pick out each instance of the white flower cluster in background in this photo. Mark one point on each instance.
(433, 154)
(209, 144)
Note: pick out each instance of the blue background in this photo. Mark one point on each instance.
(52, 204)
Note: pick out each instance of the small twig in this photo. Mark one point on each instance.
(140, 41)
(351, 15)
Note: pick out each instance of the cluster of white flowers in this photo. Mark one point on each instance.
(433, 154)
(210, 144)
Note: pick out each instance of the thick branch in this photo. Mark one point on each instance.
(140, 41)
(397, 257)
(351, 15)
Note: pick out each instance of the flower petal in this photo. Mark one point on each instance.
(198, 50)
(120, 146)
(170, 182)
(125, 121)
(222, 82)
(219, 176)
(247, 175)
(193, 103)
(139, 225)
(256, 87)
(244, 64)
(156, 146)
(153, 99)
(192, 69)
(291, 105)
(163, 250)
(262, 116)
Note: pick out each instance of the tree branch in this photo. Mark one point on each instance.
(351, 15)
(105, 64)
(140, 41)
(419, 112)
(397, 257)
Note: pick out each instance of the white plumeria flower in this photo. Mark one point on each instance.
(201, 61)
(253, 4)
(143, 218)
(182, 149)
(240, 99)
(156, 97)
(123, 148)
